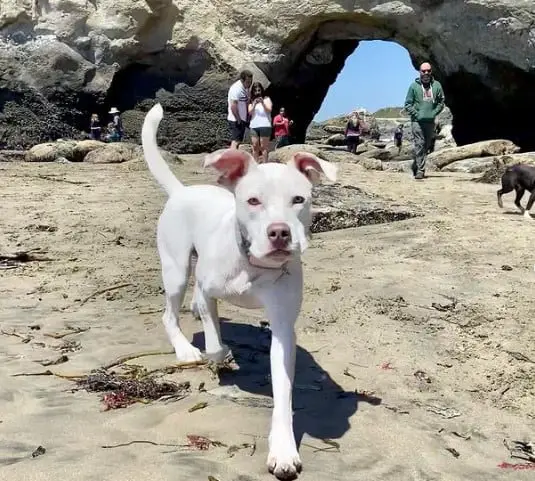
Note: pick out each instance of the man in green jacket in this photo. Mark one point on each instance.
(424, 101)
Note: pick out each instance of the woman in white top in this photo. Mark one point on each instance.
(260, 122)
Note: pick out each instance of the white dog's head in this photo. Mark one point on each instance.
(272, 200)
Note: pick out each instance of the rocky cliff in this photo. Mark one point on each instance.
(62, 59)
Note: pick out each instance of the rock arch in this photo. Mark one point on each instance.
(75, 57)
(489, 98)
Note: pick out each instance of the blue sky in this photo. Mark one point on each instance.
(377, 74)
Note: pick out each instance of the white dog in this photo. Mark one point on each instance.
(248, 235)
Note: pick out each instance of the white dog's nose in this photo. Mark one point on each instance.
(279, 235)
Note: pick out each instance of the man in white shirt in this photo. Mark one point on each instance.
(238, 98)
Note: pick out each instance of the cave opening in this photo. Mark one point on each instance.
(313, 58)
(374, 78)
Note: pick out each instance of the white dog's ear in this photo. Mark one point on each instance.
(232, 165)
(312, 167)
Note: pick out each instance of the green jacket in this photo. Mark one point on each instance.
(419, 110)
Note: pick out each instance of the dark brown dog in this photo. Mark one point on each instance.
(519, 178)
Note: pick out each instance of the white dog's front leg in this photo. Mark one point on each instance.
(282, 311)
(206, 308)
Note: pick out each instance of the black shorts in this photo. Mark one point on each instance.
(237, 130)
(261, 132)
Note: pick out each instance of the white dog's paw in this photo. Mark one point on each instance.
(218, 355)
(527, 215)
(185, 352)
(284, 465)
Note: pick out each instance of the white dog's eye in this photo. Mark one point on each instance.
(253, 201)
(298, 200)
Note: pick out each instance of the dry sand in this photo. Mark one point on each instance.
(440, 387)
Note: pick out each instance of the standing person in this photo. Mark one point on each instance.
(352, 132)
(95, 128)
(260, 123)
(424, 101)
(281, 127)
(117, 123)
(238, 98)
(398, 137)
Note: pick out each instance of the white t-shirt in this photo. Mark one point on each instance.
(259, 117)
(238, 92)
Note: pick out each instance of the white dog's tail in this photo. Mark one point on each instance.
(157, 165)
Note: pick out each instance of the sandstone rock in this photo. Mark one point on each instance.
(114, 153)
(83, 147)
(484, 148)
(493, 174)
(339, 206)
(60, 61)
(334, 129)
(336, 139)
(91, 151)
(49, 152)
(470, 166)
(369, 163)
(400, 166)
(284, 154)
(12, 155)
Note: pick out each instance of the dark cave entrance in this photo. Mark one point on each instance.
(482, 108)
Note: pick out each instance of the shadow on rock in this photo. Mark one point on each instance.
(322, 409)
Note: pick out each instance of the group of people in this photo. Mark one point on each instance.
(424, 102)
(250, 107)
(114, 131)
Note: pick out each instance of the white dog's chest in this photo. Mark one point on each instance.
(243, 288)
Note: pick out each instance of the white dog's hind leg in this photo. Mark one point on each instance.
(175, 278)
(206, 308)
(193, 306)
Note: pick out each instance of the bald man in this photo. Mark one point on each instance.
(424, 101)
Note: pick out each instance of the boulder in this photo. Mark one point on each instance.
(486, 148)
(337, 206)
(334, 129)
(284, 154)
(114, 153)
(12, 155)
(470, 166)
(493, 174)
(336, 140)
(51, 151)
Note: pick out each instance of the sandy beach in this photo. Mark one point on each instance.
(416, 341)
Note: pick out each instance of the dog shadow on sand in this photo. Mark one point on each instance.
(322, 409)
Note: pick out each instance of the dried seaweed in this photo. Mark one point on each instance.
(123, 390)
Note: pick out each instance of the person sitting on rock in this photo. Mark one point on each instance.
(95, 128)
(117, 123)
(112, 135)
(352, 132)
(281, 127)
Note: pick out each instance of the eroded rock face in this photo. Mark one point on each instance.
(63, 59)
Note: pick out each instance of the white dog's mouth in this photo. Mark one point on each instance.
(279, 254)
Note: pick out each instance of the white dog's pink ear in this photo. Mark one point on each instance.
(232, 165)
(312, 167)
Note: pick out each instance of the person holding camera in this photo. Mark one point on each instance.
(260, 122)
(237, 108)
